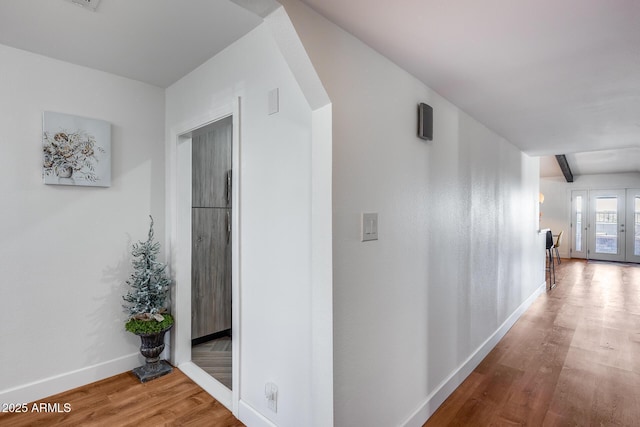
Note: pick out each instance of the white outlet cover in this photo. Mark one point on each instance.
(271, 394)
(369, 227)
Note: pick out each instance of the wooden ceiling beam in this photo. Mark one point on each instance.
(564, 166)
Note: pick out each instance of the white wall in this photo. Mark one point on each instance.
(556, 209)
(458, 253)
(64, 251)
(276, 209)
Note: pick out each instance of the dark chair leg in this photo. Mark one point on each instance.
(552, 269)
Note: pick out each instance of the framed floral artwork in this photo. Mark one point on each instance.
(76, 150)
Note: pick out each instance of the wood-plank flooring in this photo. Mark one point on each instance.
(214, 357)
(573, 359)
(172, 400)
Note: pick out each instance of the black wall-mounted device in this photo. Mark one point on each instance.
(425, 122)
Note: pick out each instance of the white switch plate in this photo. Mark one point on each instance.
(369, 226)
(274, 101)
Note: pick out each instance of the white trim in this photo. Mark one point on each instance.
(209, 117)
(181, 250)
(235, 255)
(251, 417)
(448, 386)
(63, 382)
(212, 386)
(630, 234)
(321, 269)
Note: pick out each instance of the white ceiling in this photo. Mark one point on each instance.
(154, 41)
(594, 162)
(553, 77)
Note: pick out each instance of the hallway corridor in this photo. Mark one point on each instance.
(573, 359)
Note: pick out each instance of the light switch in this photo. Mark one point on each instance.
(369, 226)
(274, 101)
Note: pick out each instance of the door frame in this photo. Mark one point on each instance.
(179, 221)
(632, 193)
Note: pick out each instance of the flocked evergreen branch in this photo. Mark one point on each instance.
(149, 282)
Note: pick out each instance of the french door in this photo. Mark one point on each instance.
(605, 225)
(633, 225)
(607, 220)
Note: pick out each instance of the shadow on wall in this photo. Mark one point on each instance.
(448, 263)
(111, 327)
(477, 187)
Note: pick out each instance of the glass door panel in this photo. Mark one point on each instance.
(606, 225)
(578, 224)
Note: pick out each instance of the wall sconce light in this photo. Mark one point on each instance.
(541, 198)
(425, 122)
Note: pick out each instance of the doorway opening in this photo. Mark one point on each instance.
(211, 241)
(185, 252)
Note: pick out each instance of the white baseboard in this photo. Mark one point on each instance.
(41, 389)
(448, 386)
(252, 418)
(248, 415)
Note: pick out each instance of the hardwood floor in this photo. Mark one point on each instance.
(573, 359)
(214, 357)
(172, 400)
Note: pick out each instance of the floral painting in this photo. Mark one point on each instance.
(76, 150)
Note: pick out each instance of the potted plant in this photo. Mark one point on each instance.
(148, 318)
